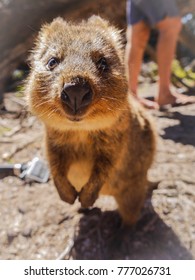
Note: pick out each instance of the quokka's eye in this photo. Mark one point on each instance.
(52, 63)
(102, 64)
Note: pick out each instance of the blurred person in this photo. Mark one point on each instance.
(142, 16)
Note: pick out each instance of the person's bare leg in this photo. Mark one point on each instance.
(137, 38)
(169, 29)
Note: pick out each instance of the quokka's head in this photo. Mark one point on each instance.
(77, 78)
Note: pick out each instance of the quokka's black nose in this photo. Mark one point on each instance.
(77, 95)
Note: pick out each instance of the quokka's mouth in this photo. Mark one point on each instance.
(74, 118)
(75, 115)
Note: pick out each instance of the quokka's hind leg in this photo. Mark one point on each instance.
(131, 200)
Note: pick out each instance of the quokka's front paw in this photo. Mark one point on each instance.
(87, 196)
(66, 192)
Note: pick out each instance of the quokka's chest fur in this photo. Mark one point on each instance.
(83, 150)
(79, 172)
(80, 155)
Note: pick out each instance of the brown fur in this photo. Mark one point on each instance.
(110, 147)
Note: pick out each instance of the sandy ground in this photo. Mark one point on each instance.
(36, 224)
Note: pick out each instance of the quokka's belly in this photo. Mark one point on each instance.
(79, 173)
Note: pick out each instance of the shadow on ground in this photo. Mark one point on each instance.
(183, 132)
(101, 236)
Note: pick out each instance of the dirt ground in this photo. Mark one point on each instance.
(36, 224)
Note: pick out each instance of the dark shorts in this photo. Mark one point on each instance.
(151, 11)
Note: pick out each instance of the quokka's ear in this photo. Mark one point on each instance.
(98, 21)
(57, 23)
(49, 28)
(114, 33)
